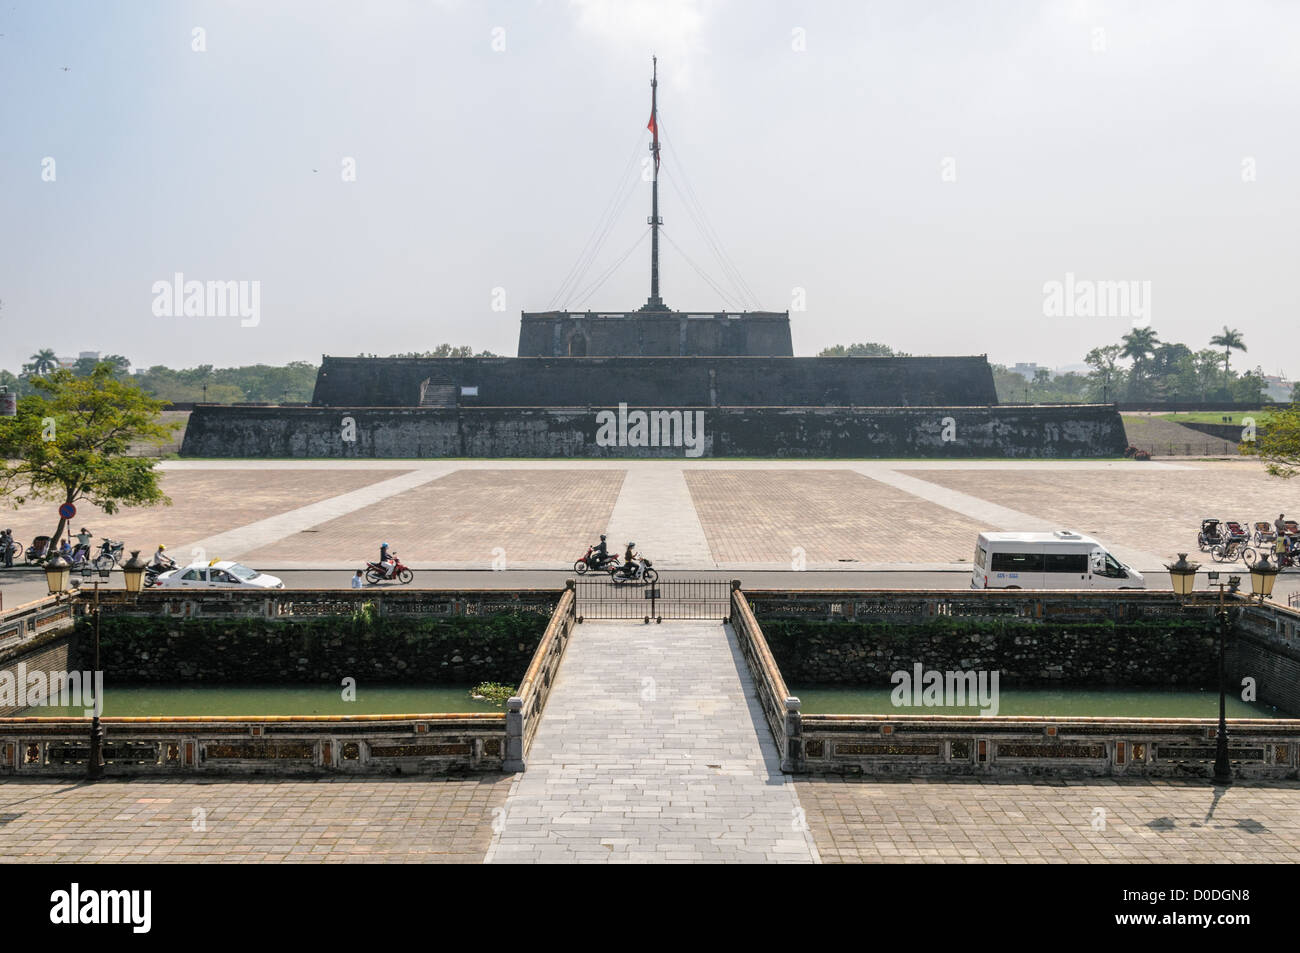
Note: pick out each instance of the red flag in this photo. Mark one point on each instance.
(653, 126)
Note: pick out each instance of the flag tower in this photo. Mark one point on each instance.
(655, 303)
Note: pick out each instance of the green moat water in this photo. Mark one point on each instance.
(1098, 702)
(153, 700)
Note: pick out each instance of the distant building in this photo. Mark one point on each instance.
(71, 362)
(1027, 371)
(1277, 388)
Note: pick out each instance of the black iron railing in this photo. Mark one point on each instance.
(599, 597)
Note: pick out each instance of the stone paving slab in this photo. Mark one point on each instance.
(685, 515)
(834, 515)
(653, 749)
(975, 822)
(656, 511)
(416, 820)
(204, 502)
(540, 515)
(1154, 511)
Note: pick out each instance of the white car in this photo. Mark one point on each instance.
(220, 574)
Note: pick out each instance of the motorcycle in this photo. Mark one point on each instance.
(110, 554)
(620, 573)
(376, 573)
(152, 572)
(591, 561)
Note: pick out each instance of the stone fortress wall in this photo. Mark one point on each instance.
(659, 381)
(775, 432)
(655, 333)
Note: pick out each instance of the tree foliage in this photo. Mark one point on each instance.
(72, 438)
(1278, 444)
(866, 349)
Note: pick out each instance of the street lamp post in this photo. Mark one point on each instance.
(1182, 575)
(95, 766)
(1222, 766)
(57, 570)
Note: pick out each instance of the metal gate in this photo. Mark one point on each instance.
(599, 597)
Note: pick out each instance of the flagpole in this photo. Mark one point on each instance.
(655, 303)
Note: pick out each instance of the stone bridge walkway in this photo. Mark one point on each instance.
(652, 748)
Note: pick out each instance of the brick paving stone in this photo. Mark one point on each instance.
(204, 502)
(858, 820)
(1158, 511)
(531, 514)
(420, 819)
(833, 514)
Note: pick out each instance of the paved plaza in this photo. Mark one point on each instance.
(1096, 822)
(684, 514)
(249, 821)
(451, 821)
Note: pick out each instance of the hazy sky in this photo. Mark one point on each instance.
(919, 169)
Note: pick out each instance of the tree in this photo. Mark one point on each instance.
(1106, 373)
(1295, 393)
(1278, 443)
(1230, 340)
(1139, 345)
(44, 361)
(71, 441)
(867, 349)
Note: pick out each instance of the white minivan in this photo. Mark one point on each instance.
(1059, 560)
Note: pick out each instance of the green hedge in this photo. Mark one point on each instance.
(392, 649)
(1173, 652)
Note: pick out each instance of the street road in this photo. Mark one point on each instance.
(24, 585)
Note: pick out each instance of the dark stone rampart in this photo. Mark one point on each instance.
(773, 432)
(659, 381)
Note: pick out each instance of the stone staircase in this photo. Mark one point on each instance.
(438, 391)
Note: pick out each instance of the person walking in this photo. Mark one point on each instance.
(357, 581)
(1279, 544)
(7, 548)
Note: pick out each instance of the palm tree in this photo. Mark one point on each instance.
(1229, 340)
(44, 361)
(1139, 344)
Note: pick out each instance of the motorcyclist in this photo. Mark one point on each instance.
(161, 562)
(633, 567)
(386, 561)
(600, 553)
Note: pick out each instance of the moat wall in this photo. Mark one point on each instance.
(763, 432)
(137, 650)
(1164, 653)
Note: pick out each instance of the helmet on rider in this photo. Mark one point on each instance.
(161, 547)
